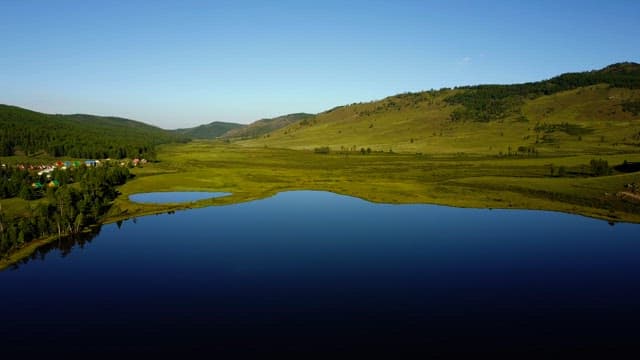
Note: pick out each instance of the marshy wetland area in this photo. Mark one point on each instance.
(461, 180)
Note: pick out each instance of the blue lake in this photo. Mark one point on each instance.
(174, 196)
(314, 272)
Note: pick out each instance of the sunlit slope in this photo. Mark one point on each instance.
(598, 110)
(389, 124)
(595, 122)
(264, 126)
(584, 119)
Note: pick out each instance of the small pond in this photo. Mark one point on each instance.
(175, 196)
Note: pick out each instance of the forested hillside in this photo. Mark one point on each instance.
(83, 136)
(492, 102)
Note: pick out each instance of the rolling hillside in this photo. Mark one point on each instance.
(590, 112)
(26, 132)
(264, 126)
(209, 131)
(227, 130)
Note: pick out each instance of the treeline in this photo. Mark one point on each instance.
(79, 136)
(20, 183)
(14, 182)
(598, 167)
(68, 209)
(567, 128)
(491, 102)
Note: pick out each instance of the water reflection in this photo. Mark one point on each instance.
(66, 244)
(63, 246)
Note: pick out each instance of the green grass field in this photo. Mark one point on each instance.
(465, 181)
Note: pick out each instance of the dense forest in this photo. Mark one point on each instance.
(81, 136)
(491, 102)
(79, 198)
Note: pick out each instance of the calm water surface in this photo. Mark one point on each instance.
(174, 196)
(316, 272)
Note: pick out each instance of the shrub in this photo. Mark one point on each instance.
(600, 167)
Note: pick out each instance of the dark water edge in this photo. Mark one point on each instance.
(314, 273)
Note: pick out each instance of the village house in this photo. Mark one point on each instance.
(46, 170)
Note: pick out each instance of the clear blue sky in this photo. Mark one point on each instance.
(183, 63)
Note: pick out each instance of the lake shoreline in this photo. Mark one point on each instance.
(337, 266)
(148, 209)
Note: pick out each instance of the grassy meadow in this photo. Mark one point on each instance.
(456, 180)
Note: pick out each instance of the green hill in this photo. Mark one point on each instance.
(28, 132)
(588, 112)
(264, 126)
(209, 131)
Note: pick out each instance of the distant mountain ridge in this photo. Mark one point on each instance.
(209, 131)
(264, 126)
(228, 130)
